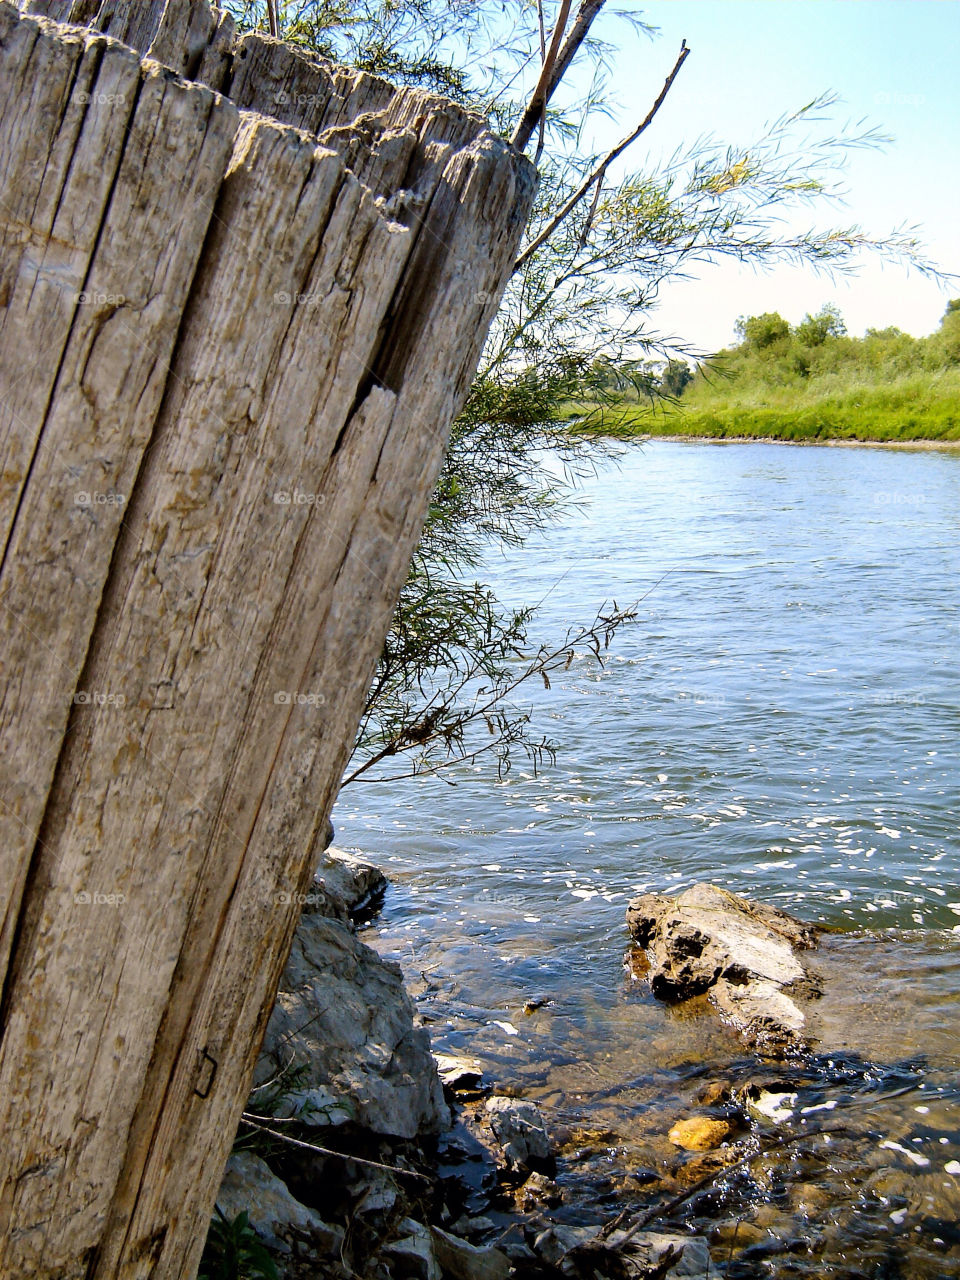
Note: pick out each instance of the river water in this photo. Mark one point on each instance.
(783, 719)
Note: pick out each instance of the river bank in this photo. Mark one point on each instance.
(913, 446)
(918, 409)
(915, 424)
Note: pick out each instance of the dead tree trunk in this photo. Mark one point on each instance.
(237, 314)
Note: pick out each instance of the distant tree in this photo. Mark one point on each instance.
(675, 378)
(763, 332)
(814, 330)
(946, 340)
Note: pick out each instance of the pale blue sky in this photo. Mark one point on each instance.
(895, 62)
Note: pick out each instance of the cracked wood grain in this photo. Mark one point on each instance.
(286, 315)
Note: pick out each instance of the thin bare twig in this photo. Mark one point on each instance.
(664, 1210)
(597, 174)
(326, 1151)
(272, 22)
(541, 94)
(593, 212)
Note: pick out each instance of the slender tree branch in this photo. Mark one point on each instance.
(438, 723)
(597, 174)
(578, 33)
(272, 21)
(541, 94)
(542, 138)
(326, 1151)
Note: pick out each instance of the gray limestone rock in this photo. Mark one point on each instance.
(746, 955)
(273, 1212)
(519, 1129)
(343, 1030)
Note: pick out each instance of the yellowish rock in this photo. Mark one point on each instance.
(700, 1133)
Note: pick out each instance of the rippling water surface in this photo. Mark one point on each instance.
(782, 720)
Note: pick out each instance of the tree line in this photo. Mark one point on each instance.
(772, 350)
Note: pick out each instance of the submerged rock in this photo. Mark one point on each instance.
(700, 1133)
(744, 954)
(717, 1091)
(519, 1129)
(538, 1191)
(775, 1101)
(705, 1164)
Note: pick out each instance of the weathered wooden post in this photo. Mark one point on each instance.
(240, 302)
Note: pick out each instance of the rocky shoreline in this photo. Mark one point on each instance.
(362, 1153)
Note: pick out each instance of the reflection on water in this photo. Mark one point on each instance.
(783, 720)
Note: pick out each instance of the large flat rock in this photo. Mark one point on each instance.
(747, 956)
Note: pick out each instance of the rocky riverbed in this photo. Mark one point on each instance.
(769, 1160)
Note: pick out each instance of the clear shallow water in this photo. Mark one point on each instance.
(783, 719)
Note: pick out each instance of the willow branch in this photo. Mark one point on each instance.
(597, 174)
(541, 94)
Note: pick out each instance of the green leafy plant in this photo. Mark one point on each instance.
(234, 1251)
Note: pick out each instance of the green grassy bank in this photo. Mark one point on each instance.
(909, 409)
(810, 381)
